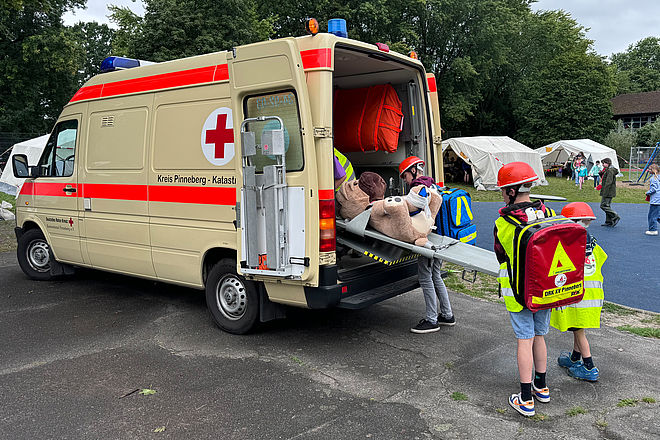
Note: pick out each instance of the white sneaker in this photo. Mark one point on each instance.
(651, 232)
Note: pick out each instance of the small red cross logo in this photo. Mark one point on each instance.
(220, 136)
(70, 222)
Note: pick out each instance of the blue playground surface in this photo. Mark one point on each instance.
(632, 270)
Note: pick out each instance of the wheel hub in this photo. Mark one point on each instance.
(231, 297)
(38, 256)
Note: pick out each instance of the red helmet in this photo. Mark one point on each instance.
(578, 211)
(515, 173)
(409, 162)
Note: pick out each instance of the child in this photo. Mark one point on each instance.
(582, 174)
(586, 313)
(595, 173)
(515, 180)
(430, 279)
(653, 196)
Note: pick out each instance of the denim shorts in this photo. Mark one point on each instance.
(526, 324)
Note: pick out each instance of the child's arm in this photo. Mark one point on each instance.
(655, 186)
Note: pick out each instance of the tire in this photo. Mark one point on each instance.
(33, 254)
(232, 301)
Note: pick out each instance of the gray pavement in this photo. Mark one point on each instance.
(71, 349)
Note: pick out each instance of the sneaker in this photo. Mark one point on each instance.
(609, 225)
(564, 360)
(581, 372)
(446, 321)
(425, 326)
(524, 408)
(651, 232)
(541, 394)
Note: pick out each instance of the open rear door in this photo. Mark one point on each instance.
(271, 104)
(437, 130)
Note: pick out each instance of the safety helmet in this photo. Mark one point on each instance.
(578, 211)
(408, 163)
(515, 173)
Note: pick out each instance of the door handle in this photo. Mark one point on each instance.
(69, 190)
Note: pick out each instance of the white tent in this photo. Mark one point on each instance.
(32, 148)
(560, 151)
(487, 154)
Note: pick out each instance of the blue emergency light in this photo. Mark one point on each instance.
(111, 64)
(337, 26)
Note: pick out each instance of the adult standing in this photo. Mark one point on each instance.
(608, 192)
(653, 196)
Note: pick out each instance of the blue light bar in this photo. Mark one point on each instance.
(118, 63)
(337, 26)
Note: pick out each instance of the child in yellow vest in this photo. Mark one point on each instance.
(585, 314)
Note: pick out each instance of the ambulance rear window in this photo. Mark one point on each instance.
(284, 105)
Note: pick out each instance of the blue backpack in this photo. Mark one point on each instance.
(455, 216)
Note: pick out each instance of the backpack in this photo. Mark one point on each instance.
(547, 269)
(455, 217)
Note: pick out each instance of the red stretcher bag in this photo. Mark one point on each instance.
(367, 119)
(548, 265)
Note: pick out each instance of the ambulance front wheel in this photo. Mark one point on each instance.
(34, 255)
(232, 301)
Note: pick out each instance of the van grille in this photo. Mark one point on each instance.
(108, 121)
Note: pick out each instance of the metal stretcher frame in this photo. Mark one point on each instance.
(444, 248)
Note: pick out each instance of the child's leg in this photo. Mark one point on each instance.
(525, 359)
(424, 271)
(540, 354)
(441, 290)
(580, 342)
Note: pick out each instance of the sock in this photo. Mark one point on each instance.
(539, 380)
(588, 363)
(575, 356)
(526, 391)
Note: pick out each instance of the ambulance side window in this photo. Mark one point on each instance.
(285, 105)
(58, 158)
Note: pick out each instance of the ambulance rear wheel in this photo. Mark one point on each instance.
(34, 255)
(232, 300)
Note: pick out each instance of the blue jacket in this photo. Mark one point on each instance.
(654, 191)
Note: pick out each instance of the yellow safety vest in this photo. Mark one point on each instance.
(505, 235)
(586, 313)
(346, 165)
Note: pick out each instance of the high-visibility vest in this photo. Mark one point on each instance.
(346, 165)
(505, 235)
(586, 313)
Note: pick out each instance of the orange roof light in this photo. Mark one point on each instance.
(413, 55)
(312, 26)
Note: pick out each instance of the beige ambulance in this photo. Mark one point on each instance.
(216, 172)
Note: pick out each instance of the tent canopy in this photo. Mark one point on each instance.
(487, 154)
(559, 152)
(32, 148)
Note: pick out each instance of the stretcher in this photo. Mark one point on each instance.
(357, 235)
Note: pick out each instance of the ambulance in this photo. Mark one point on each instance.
(215, 172)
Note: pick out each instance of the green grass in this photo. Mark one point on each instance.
(484, 287)
(641, 331)
(7, 198)
(627, 402)
(7, 237)
(601, 424)
(609, 307)
(575, 411)
(653, 320)
(457, 395)
(562, 187)
(538, 417)
(648, 400)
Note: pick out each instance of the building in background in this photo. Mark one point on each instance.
(636, 110)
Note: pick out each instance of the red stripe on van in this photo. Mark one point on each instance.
(48, 189)
(326, 194)
(154, 82)
(27, 189)
(114, 192)
(316, 58)
(433, 87)
(193, 194)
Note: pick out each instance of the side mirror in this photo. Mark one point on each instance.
(20, 165)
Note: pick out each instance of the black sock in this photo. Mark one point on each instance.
(539, 380)
(588, 363)
(575, 356)
(526, 391)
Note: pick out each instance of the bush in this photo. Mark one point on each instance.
(648, 135)
(621, 139)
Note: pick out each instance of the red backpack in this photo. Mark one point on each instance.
(547, 269)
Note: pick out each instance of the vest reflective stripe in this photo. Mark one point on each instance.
(346, 165)
(588, 303)
(592, 284)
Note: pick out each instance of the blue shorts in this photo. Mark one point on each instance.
(526, 324)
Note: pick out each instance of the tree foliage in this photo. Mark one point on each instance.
(638, 68)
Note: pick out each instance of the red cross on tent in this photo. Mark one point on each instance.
(220, 136)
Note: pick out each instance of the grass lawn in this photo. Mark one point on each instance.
(7, 237)
(558, 186)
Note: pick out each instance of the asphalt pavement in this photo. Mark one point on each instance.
(632, 270)
(76, 352)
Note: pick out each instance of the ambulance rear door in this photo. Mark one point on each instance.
(277, 171)
(436, 148)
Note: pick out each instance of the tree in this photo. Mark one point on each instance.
(648, 135)
(638, 68)
(96, 41)
(40, 61)
(621, 139)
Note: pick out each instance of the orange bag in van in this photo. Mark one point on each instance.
(367, 119)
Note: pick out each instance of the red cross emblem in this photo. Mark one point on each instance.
(70, 222)
(220, 136)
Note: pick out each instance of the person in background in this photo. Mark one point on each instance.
(577, 163)
(653, 196)
(585, 314)
(582, 174)
(608, 192)
(595, 173)
(343, 169)
(467, 171)
(429, 270)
